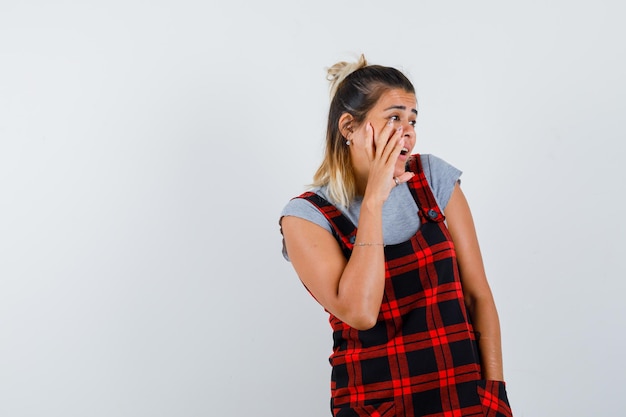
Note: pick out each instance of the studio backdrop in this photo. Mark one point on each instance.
(147, 149)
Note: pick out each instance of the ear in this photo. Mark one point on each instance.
(346, 125)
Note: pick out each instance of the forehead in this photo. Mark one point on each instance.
(397, 97)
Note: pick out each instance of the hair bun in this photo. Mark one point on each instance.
(338, 72)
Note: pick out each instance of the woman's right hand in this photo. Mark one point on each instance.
(382, 150)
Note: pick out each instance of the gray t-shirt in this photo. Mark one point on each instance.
(400, 220)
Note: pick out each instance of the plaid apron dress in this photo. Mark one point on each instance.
(421, 357)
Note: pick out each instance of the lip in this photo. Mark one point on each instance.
(408, 148)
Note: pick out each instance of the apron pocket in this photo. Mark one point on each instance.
(493, 398)
(386, 409)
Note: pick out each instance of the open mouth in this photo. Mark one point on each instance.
(404, 151)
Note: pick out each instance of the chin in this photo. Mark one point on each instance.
(401, 169)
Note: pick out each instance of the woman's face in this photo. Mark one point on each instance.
(399, 107)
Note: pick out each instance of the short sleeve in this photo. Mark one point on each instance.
(299, 207)
(441, 176)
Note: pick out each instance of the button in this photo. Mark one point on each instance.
(352, 239)
(432, 214)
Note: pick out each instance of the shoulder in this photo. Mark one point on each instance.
(304, 199)
(435, 166)
(302, 208)
(298, 204)
(441, 176)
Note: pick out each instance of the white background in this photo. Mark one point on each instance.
(147, 148)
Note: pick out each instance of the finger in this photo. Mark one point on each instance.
(394, 147)
(406, 176)
(385, 135)
(369, 141)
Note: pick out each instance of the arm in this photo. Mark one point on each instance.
(478, 297)
(352, 290)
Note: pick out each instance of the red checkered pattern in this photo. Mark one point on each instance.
(421, 357)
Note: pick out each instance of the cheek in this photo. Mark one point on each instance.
(379, 127)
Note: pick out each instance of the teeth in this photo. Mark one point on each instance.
(404, 151)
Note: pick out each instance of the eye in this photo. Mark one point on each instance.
(394, 118)
(413, 122)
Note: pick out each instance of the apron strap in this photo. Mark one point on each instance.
(343, 228)
(429, 211)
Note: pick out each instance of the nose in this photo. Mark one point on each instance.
(406, 124)
(408, 129)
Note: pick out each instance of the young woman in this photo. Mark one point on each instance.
(415, 327)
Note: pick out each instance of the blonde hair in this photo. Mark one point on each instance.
(338, 72)
(355, 87)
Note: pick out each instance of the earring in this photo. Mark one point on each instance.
(348, 140)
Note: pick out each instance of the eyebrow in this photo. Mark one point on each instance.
(400, 108)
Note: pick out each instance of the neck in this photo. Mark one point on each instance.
(361, 182)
